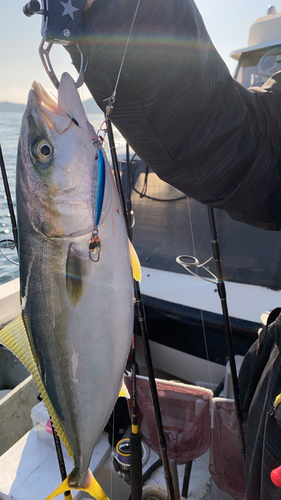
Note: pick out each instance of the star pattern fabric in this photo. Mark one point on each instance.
(68, 9)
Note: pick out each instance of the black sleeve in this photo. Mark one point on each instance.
(260, 383)
(180, 110)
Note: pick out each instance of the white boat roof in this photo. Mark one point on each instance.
(265, 32)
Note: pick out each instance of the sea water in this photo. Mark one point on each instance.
(9, 134)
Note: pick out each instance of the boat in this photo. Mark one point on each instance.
(190, 414)
(174, 300)
(167, 225)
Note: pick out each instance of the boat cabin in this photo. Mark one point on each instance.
(262, 57)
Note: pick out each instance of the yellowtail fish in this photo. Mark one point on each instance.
(76, 283)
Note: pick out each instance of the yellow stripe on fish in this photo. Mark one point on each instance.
(16, 338)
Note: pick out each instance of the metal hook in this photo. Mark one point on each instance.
(45, 58)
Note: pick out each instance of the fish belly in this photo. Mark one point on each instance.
(81, 326)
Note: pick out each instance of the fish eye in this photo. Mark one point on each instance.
(43, 150)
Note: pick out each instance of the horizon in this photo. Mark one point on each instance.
(228, 24)
(24, 104)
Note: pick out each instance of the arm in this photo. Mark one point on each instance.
(180, 110)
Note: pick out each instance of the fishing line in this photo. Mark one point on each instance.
(94, 139)
(199, 291)
(226, 320)
(111, 99)
(202, 317)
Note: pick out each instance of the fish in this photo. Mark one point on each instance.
(76, 274)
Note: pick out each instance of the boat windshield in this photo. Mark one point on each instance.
(254, 68)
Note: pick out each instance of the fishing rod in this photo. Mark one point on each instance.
(227, 327)
(9, 198)
(128, 191)
(63, 473)
(57, 441)
(135, 435)
(140, 313)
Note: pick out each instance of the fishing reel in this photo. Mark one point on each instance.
(62, 24)
(122, 458)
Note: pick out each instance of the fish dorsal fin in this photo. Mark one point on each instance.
(135, 263)
(16, 338)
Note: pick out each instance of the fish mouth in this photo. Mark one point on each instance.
(68, 108)
(53, 112)
(43, 98)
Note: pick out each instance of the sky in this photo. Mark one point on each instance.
(227, 21)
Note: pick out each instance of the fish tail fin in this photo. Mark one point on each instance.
(88, 484)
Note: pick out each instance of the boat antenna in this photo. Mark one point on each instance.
(227, 327)
(141, 321)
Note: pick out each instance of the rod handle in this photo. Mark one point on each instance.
(136, 466)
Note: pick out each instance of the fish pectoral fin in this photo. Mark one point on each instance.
(17, 338)
(74, 276)
(92, 487)
(135, 263)
(124, 393)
